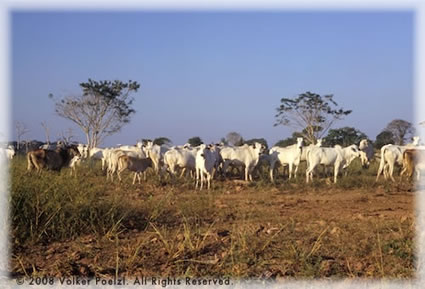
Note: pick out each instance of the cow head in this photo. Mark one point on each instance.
(73, 151)
(363, 144)
(354, 152)
(299, 142)
(416, 140)
(319, 142)
(259, 147)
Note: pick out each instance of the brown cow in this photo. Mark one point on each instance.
(135, 165)
(51, 159)
(413, 160)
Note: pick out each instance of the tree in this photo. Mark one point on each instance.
(400, 129)
(234, 138)
(102, 110)
(66, 136)
(195, 141)
(291, 140)
(310, 113)
(383, 138)
(162, 140)
(46, 131)
(21, 130)
(224, 141)
(285, 142)
(344, 136)
(259, 140)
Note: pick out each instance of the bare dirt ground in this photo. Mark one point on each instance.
(242, 231)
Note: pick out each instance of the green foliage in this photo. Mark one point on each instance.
(162, 140)
(344, 136)
(292, 140)
(259, 140)
(309, 112)
(285, 142)
(195, 141)
(383, 138)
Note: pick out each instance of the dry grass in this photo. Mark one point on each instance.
(63, 226)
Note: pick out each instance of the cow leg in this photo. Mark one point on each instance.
(272, 164)
(250, 172)
(391, 170)
(197, 178)
(309, 173)
(296, 170)
(209, 180)
(183, 171)
(381, 169)
(202, 180)
(290, 170)
(246, 174)
(336, 171)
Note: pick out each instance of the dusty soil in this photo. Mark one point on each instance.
(242, 230)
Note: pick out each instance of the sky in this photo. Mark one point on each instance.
(210, 73)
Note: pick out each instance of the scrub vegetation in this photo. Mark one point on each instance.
(86, 226)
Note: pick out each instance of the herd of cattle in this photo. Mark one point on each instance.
(207, 160)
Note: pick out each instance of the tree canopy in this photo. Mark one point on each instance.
(195, 141)
(162, 140)
(291, 140)
(310, 113)
(234, 139)
(259, 140)
(383, 138)
(344, 136)
(401, 130)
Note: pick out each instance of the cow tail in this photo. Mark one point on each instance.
(382, 162)
(120, 164)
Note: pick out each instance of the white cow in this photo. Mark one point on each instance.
(392, 155)
(73, 163)
(367, 152)
(336, 156)
(290, 155)
(112, 156)
(246, 155)
(184, 158)
(99, 154)
(155, 152)
(304, 152)
(8, 153)
(83, 150)
(206, 160)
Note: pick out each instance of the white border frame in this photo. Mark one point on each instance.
(417, 6)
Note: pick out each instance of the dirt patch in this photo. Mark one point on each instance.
(239, 230)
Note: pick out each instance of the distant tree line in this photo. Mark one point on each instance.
(104, 107)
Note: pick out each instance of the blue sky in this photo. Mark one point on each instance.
(208, 73)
